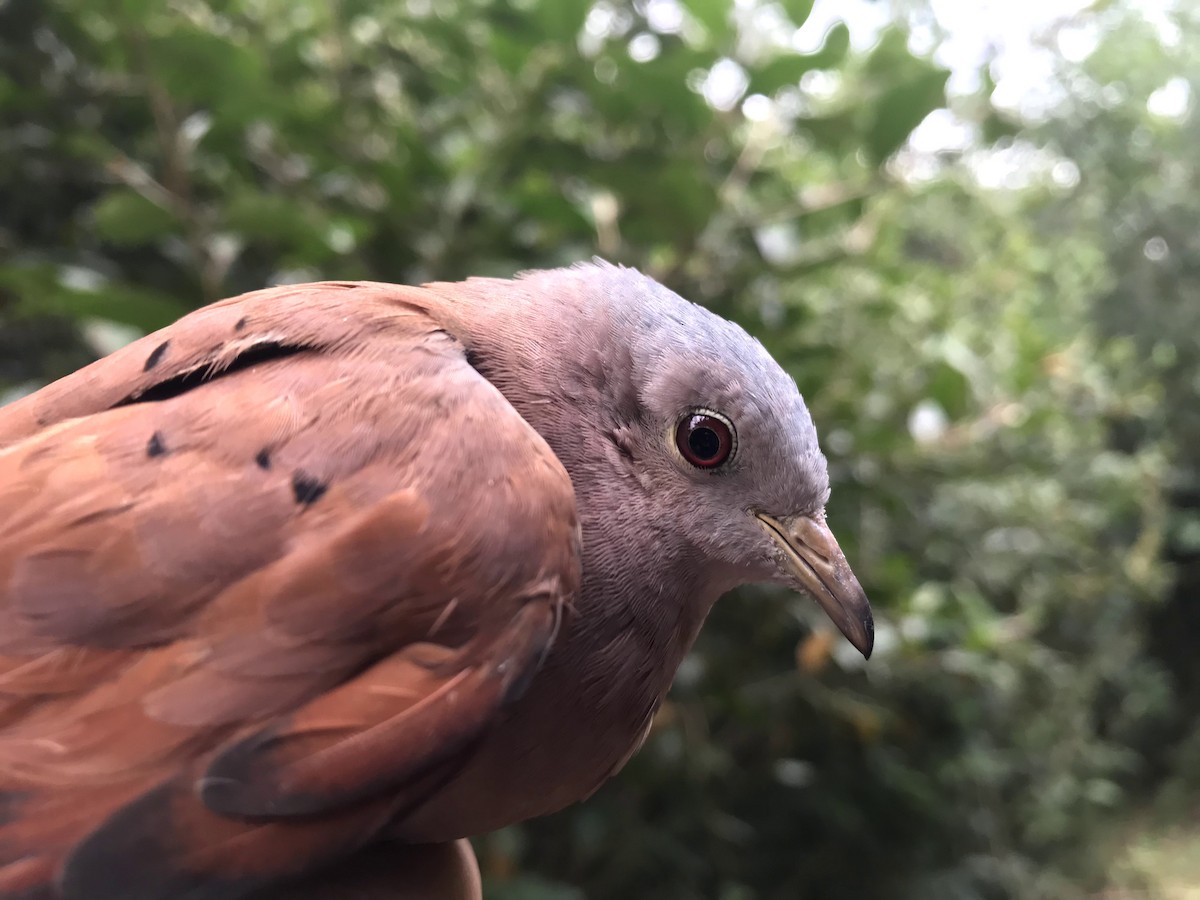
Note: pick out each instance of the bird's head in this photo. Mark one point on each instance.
(714, 448)
(734, 453)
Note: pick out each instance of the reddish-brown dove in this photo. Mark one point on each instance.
(325, 571)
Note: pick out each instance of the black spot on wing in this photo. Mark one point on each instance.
(263, 459)
(157, 445)
(308, 490)
(156, 356)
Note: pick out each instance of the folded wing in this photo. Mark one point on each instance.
(266, 579)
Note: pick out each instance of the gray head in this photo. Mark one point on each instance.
(675, 421)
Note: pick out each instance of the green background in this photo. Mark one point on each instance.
(1005, 377)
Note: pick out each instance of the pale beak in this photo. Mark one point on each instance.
(815, 564)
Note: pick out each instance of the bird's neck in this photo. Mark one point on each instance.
(651, 593)
(638, 614)
(633, 559)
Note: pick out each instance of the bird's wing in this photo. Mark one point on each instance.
(266, 577)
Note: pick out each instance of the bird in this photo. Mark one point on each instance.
(349, 568)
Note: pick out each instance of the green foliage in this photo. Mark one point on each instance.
(125, 218)
(1136, 204)
(786, 69)
(157, 156)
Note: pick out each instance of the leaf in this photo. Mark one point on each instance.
(890, 55)
(951, 389)
(901, 109)
(798, 10)
(996, 126)
(9, 92)
(1185, 533)
(683, 196)
(41, 289)
(508, 51)
(783, 71)
(127, 219)
(197, 67)
(834, 133)
(561, 21)
(713, 15)
(277, 220)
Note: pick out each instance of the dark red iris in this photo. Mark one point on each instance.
(704, 440)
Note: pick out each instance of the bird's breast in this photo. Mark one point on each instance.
(585, 714)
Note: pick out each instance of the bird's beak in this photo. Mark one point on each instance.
(814, 563)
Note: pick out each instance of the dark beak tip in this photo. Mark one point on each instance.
(855, 619)
(859, 630)
(868, 644)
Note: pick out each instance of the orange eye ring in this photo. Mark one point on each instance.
(705, 439)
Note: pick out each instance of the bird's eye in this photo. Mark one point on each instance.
(705, 439)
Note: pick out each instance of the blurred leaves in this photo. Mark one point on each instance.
(712, 14)
(79, 293)
(787, 69)
(127, 219)
(901, 108)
